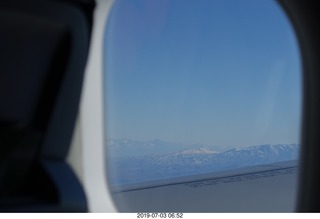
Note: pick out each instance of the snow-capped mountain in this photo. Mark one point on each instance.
(195, 151)
(195, 160)
(257, 155)
(127, 147)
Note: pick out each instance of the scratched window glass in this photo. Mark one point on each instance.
(197, 87)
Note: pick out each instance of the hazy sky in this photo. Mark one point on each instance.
(219, 72)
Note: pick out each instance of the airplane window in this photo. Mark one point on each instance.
(198, 87)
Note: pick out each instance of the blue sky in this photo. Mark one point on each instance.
(208, 71)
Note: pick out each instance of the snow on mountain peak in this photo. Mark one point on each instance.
(195, 151)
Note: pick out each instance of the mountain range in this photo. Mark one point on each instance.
(165, 160)
(125, 147)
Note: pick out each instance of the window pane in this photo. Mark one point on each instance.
(196, 87)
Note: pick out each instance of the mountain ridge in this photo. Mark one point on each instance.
(130, 169)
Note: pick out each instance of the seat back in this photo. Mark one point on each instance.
(44, 46)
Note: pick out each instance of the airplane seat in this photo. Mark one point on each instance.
(44, 47)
